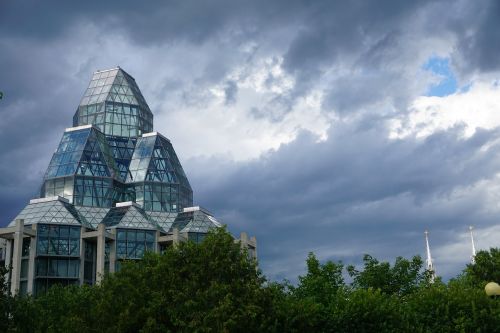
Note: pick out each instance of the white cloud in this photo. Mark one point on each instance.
(255, 123)
(478, 107)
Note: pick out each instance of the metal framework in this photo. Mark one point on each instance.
(113, 190)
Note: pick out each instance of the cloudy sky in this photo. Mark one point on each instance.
(336, 127)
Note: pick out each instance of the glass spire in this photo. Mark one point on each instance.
(111, 154)
(115, 105)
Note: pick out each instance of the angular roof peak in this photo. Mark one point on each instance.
(51, 211)
(129, 216)
(114, 103)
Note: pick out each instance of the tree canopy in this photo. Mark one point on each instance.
(214, 287)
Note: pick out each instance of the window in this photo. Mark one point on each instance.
(58, 240)
(133, 243)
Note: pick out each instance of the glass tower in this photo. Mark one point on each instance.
(113, 190)
(111, 154)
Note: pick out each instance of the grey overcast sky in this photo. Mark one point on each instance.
(338, 127)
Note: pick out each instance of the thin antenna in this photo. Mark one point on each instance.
(473, 256)
(430, 266)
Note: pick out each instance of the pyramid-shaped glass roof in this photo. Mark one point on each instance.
(195, 219)
(114, 103)
(65, 160)
(94, 215)
(55, 210)
(82, 151)
(129, 215)
(163, 219)
(155, 160)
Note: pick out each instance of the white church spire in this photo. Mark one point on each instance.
(430, 266)
(473, 255)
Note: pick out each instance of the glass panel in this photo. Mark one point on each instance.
(26, 247)
(52, 271)
(62, 267)
(64, 232)
(53, 231)
(74, 268)
(122, 235)
(74, 247)
(150, 236)
(42, 245)
(62, 240)
(24, 268)
(140, 250)
(53, 246)
(41, 266)
(75, 232)
(131, 249)
(121, 250)
(131, 235)
(42, 230)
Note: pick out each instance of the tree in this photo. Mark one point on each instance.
(5, 300)
(215, 287)
(61, 309)
(212, 286)
(308, 304)
(321, 281)
(403, 278)
(485, 269)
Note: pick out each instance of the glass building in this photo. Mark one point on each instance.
(113, 190)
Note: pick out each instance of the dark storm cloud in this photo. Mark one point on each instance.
(306, 195)
(310, 196)
(479, 38)
(326, 29)
(40, 97)
(361, 36)
(150, 22)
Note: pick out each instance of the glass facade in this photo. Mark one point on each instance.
(196, 237)
(132, 243)
(110, 170)
(123, 149)
(65, 160)
(25, 256)
(196, 222)
(83, 170)
(57, 256)
(110, 160)
(52, 212)
(89, 269)
(56, 240)
(115, 105)
(158, 178)
(131, 216)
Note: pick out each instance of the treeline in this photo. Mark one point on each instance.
(213, 287)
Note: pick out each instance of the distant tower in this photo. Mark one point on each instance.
(473, 255)
(430, 266)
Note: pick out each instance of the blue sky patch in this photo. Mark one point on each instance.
(441, 67)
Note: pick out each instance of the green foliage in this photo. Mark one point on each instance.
(214, 287)
(455, 307)
(192, 288)
(486, 269)
(5, 300)
(321, 281)
(61, 309)
(403, 278)
(367, 310)
(208, 287)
